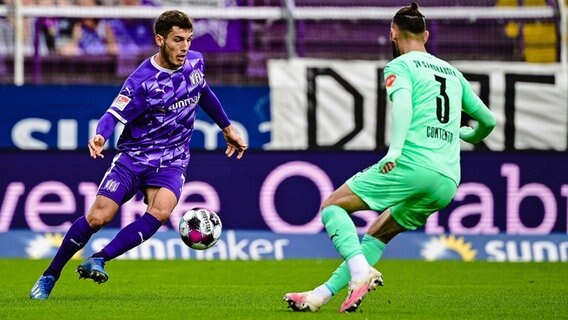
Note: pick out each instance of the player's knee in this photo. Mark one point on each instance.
(326, 203)
(160, 213)
(98, 218)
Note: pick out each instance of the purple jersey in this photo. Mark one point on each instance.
(157, 107)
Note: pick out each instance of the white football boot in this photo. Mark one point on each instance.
(359, 289)
(304, 301)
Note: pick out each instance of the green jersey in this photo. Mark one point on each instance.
(439, 93)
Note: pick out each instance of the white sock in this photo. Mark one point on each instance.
(322, 292)
(358, 266)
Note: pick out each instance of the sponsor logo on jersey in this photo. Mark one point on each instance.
(120, 102)
(390, 80)
(189, 102)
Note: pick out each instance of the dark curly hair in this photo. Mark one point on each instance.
(169, 19)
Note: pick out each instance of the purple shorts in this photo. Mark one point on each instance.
(125, 178)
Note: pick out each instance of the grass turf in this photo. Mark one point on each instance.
(182, 289)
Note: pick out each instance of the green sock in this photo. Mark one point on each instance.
(372, 249)
(341, 231)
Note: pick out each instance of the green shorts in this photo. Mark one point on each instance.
(412, 193)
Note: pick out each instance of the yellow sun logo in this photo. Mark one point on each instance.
(46, 245)
(444, 247)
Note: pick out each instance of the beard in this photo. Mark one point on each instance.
(165, 53)
(395, 50)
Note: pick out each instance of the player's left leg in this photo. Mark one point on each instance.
(373, 244)
(342, 231)
(118, 185)
(314, 299)
(101, 212)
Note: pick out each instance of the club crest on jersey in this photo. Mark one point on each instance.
(196, 77)
(120, 102)
(111, 185)
(390, 80)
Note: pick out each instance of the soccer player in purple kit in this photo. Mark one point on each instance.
(157, 105)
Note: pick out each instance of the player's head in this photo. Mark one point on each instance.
(408, 27)
(173, 32)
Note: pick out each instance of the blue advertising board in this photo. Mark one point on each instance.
(511, 193)
(63, 117)
(266, 245)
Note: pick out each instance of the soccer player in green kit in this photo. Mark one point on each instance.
(418, 176)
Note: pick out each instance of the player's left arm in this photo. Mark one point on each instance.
(213, 108)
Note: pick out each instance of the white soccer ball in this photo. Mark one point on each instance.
(200, 228)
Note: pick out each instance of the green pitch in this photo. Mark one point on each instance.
(254, 290)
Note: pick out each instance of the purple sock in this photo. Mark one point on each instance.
(76, 238)
(130, 236)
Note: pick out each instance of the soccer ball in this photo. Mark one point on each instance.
(200, 228)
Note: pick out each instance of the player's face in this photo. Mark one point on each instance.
(174, 47)
(394, 41)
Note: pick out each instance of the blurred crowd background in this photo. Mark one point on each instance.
(105, 50)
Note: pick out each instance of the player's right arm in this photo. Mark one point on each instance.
(105, 127)
(127, 105)
(476, 109)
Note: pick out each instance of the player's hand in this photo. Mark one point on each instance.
(235, 143)
(96, 145)
(467, 134)
(387, 164)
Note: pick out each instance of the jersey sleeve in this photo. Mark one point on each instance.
(129, 103)
(397, 76)
(474, 106)
(212, 106)
(470, 101)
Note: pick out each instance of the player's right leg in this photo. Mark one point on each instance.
(75, 239)
(42, 288)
